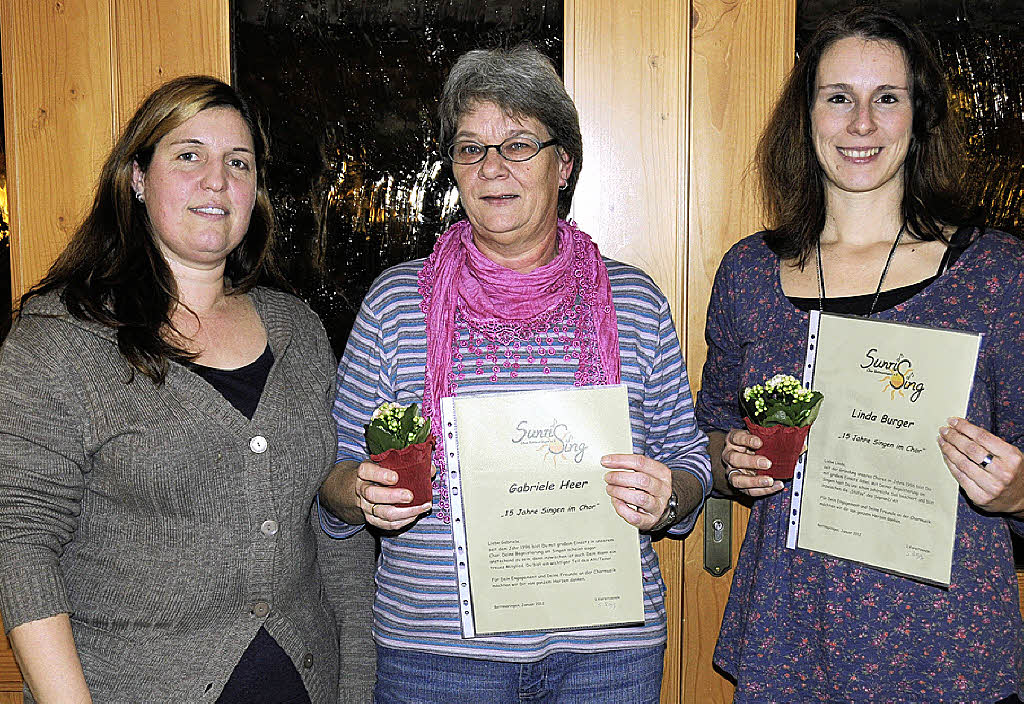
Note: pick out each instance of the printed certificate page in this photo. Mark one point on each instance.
(544, 548)
(875, 488)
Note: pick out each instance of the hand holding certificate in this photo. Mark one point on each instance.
(990, 470)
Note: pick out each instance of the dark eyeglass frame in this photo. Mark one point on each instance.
(497, 147)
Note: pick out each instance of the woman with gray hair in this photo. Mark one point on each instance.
(515, 282)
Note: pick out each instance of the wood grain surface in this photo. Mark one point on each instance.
(10, 675)
(157, 40)
(625, 66)
(58, 122)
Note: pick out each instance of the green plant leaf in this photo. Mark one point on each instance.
(378, 440)
(812, 413)
(406, 422)
(777, 414)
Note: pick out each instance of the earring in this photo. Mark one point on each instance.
(563, 186)
(139, 197)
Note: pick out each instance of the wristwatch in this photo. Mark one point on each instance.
(671, 515)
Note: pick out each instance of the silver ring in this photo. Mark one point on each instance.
(986, 461)
(728, 475)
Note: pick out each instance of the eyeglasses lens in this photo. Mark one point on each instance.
(512, 149)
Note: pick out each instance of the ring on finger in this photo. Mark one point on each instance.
(373, 510)
(986, 461)
(728, 476)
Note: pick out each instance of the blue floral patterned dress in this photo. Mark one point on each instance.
(804, 627)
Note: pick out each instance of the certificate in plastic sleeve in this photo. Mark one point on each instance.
(538, 545)
(873, 486)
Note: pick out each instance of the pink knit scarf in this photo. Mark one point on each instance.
(460, 286)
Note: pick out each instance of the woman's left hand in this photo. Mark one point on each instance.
(639, 496)
(990, 470)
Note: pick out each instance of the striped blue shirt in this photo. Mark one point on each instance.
(416, 605)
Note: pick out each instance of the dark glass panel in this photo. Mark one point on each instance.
(350, 90)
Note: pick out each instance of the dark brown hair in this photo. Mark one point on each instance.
(112, 272)
(790, 178)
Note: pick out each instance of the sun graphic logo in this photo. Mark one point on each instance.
(894, 384)
(897, 375)
(555, 441)
(553, 449)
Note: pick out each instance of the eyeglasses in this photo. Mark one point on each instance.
(512, 149)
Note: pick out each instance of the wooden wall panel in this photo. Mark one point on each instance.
(58, 122)
(741, 52)
(85, 66)
(10, 677)
(157, 40)
(626, 68)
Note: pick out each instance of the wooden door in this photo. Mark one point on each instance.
(741, 54)
(672, 96)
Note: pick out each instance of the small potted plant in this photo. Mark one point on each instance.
(780, 412)
(399, 438)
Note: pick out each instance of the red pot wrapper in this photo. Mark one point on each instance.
(412, 463)
(780, 444)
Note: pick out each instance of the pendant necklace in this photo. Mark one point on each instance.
(878, 289)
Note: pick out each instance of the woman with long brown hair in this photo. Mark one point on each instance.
(164, 426)
(859, 180)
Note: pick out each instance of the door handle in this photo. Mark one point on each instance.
(718, 536)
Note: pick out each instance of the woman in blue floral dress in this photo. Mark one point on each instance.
(859, 180)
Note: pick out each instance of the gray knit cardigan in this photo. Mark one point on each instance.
(166, 523)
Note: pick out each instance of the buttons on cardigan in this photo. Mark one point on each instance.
(269, 528)
(258, 444)
(307, 662)
(260, 609)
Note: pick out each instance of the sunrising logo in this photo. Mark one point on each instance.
(554, 440)
(897, 375)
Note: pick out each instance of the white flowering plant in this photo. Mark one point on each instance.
(781, 400)
(394, 427)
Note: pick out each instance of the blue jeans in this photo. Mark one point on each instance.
(630, 676)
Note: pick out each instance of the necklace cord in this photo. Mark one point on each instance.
(881, 279)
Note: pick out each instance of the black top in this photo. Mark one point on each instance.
(861, 304)
(265, 674)
(241, 387)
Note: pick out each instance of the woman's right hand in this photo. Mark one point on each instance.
(739, 460)
(376, 497)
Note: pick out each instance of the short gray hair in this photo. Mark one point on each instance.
(523, 83)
